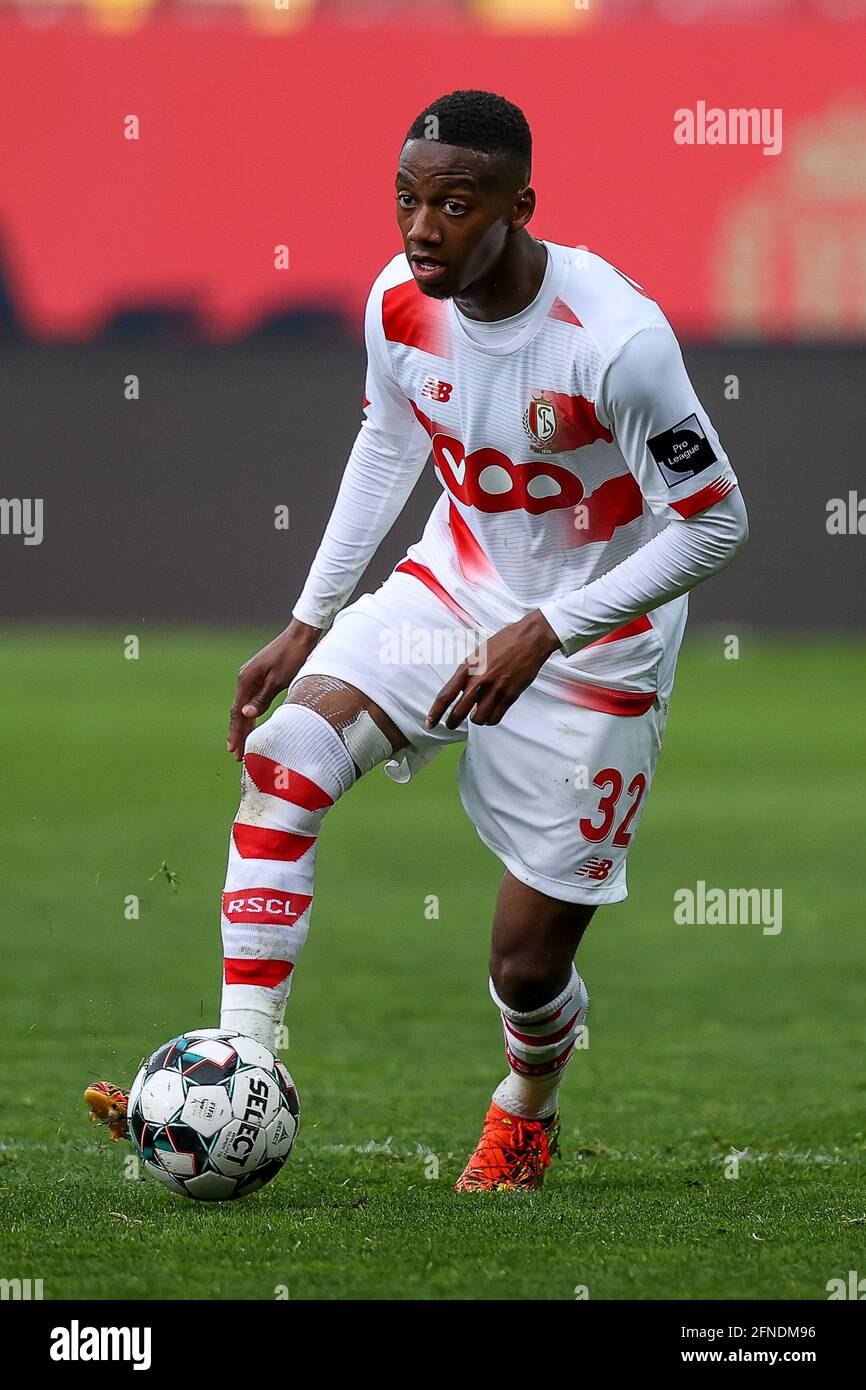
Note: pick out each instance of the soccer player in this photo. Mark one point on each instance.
(537, 621)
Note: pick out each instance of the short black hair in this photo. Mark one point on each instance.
(479, 121)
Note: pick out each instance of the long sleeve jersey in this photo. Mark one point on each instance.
(580, 473)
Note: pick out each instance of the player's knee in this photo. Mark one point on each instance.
(257, 738)
(295, 756)
(342, 706)
(523, 980)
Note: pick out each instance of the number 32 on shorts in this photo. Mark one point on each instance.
(610, 783)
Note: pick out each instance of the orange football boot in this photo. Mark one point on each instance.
(107, 1104)
(512, 1153)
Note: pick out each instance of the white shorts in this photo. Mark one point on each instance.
(555, 790)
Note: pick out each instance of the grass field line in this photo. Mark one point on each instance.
(719, 1091)
(376, 1148)
(386, 1149)
(382, 1148)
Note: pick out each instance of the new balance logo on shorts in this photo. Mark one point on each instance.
(437, 390)
(595, 868)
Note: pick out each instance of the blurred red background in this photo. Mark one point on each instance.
(250, 139)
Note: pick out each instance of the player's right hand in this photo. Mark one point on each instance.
(263, 677)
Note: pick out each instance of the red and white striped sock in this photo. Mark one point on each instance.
(538, 1044)
(295, 768)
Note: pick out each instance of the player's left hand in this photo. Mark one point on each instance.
(491, 679)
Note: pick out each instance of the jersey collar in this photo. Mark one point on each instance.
(540, 307)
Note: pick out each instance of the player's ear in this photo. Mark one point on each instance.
(524, 207)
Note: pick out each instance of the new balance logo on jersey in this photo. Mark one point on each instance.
(682, 452)
(437, 390)
(595, 868)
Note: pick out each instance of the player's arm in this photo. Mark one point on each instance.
(685, 477)
(647, 400)
(384, 465)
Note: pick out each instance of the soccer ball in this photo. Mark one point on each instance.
(213, 1115)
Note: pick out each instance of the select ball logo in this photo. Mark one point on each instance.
(240, 1142)
(682, 451)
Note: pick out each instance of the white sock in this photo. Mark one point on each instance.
(295, 767)
(538, 1045)
(529, 1098)
(262, 1024)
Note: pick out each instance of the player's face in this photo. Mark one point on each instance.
(454, 212)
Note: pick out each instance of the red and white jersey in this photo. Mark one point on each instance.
(564, 439)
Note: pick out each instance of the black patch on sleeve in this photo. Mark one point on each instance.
(682, 452)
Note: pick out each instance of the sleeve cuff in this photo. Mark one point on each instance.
(569, 641)
(307, 614)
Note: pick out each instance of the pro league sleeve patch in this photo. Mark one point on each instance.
(682, 452)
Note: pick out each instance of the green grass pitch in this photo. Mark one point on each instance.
(703, 1039)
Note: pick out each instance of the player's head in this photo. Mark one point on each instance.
(463, 187)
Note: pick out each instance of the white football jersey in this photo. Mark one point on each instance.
(564, 439)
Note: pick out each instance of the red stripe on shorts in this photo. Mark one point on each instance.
(627, 703)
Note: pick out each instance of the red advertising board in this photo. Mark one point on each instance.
(249, 142)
